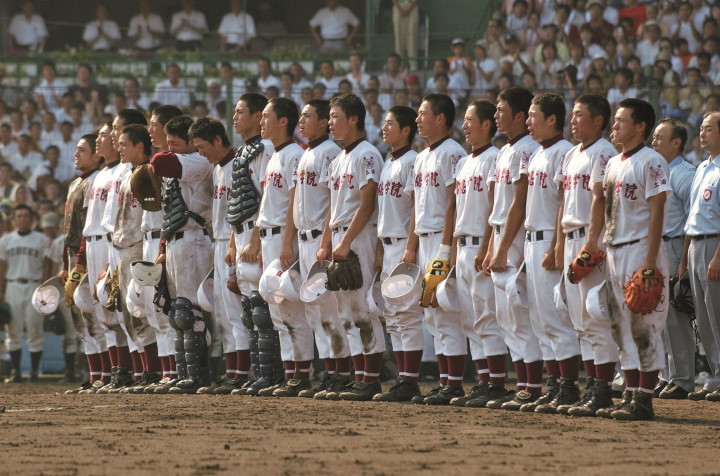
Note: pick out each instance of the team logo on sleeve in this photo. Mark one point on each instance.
(369, 164)
(707, 194)
(525, 158)
(658, 175)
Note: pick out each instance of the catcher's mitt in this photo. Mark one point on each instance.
(583, 264)
(437, 271)
(681, 295)
(112, 286)
(147, 188)
(345, 274)
(637, 298)
(72, 282)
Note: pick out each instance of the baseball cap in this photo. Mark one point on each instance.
(600, 55)
(50, 219)
(457, 41)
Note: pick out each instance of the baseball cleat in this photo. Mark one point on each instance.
(477, 391)
(96, 385)
(445, 395)
(243, 388)
(713, 396)
(403, 391)
(165, 389)
(698, 396)
(547, 397)
(568, 395)
(600, 399)
(493, 393)
(607, 412)
(676, 392)
(292, 387)
(361, 391)
(230, 384)
(337, 384)
(640, 408)
(521, 398)
(311, 392)
(268, 391)
(420, 399)
(662, 384)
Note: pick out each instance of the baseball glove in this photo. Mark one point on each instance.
(345, 274)
(113, 290)
(637, 298)
(681, 295)
(437, 271)
(147, 188)
(583, 264)
(72, 282)
(232, 283)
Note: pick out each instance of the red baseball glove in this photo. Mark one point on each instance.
(583, 264)
(643, 297)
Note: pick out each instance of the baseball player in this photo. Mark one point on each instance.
(244, 250)
(543, 252)
(703, 229)
(395, 236)
(311, 202)
(474, 201)
(187, 249)
(678, 378)
(590, 116)
(433, 190)
(508, 215)
(278, 238)
(632, 193)
(209, 138)
(22, 265)
(351, 225)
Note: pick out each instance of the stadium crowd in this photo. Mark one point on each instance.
(664, 52)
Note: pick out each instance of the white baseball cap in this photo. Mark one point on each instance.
(313, 288)
(596, 302)
(101, 290)
(269, 286)
(206, 292)
(290, 282)
(447, 293)
(403, 285)
(560, 295)
(501, 278)
(249, 272)
(146, 273)
(47, 296)
(516, 288)
(135, 299)
(83, 297)
(375, 299)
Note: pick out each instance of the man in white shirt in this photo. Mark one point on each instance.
(333, 22)
(237, 29)
(649, 47)
(172, 91)
(101, 34)
(188, 27)
(146, 28)
(27, 31)
(265, 77)
(328, 78)
(50, 90)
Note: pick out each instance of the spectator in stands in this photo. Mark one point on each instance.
(531, 34)
(518, 17)
(492, 40)
(25, 160)
(567, 31)
(327, 77)
(649, 47)
(460, 65)
(484, 68)
(45, 170)
(635, 12)
(27, 31)
(146, 29)
(50, 89)
(66, 169)
(135, 99)
(415, 91)
(188, 27)
(265, 77)
(81, 125)
(546, 71)
(357, 75)
(101, 34)
(709, 46)
(172, 90)
(652, 14)
(227, 78)
(529, 82)
(9, 93)
(692, 96)
(286, 87)
(49, 133)
(639, 77)
(515, 61)
(685, 28)
(319, 91)
(677, 64)
(405, 26)
(551, 35)
(6, 184)
(393, 77)
(703, 63)
(237, 29)
(17, 122)
(8, 144)
(600, 27)
(333, 22)
(623, 88)
(579, 60)
(30, 111)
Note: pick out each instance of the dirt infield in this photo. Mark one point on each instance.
(45, 431)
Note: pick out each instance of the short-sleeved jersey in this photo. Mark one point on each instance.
(678, 204)
(628, 185)
(544, 172)
(257, 171)
(24, 254)
(434, 172)
(578, 168)
(311, 198)
(349, 173)
(128, 229)
(196, 187)
(98, 200)
(507, 171)
(279, 181)
(76, 209)
(704, 217)
(222, 189)
(472, 192)
(110, 214)
(55, 251)
(395, 205)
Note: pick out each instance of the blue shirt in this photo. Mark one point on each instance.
(704, 216)
(678, 204)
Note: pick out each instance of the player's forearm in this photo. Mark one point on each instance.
(290, 229)
(655, 228)
(363, 213)
(449, 227)
(326, 238)
(559, 238)
(516, 214)
(597, 215)
(413, 240)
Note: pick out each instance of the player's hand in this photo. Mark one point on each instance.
(323, 254)
(160, 258)
(63, 276)
(713, 272)
(81, 268)
(409, 257)
(486, 263)
(378, 262)
(250, 253)
(341, 251)
(591, 247)
(498, 262)
(682, 268)
(230, 256)
(286, 256)
(548, 261)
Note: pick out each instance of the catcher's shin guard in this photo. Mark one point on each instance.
(268, 340)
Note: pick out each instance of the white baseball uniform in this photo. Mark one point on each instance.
(434, 173)
(279, 181)
(395, 206)
(475, 290)
(309, 214)
(595, 334)
(357, 165)
(629, 181)
(514, 321)
(703, 227)
(70, 339)
(553, 327)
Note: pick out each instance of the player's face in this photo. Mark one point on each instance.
(662, 142)
(208, 149)
(340, 125)
(157, 133)
(126, 150)
(84, 156)
(311, 126)
(710, 134)
(582, 124)
(178, 145)
(624, 129)
(472, 127)
(104, 142)
(540, 128)
(426, 121)
(117, 126)
(270, 127)
(392, 133)
(503, 117)
(243, 120)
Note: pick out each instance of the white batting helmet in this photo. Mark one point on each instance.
(313, 288)
(83, 297)
(447, 294)
(290, 282)
(47, 296)
(206, 292)
(403, 285)
(135, 299)
(146, 273)
(269, 286)
(375, 299)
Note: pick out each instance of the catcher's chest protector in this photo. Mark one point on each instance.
(175, 210)
(245, 197)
